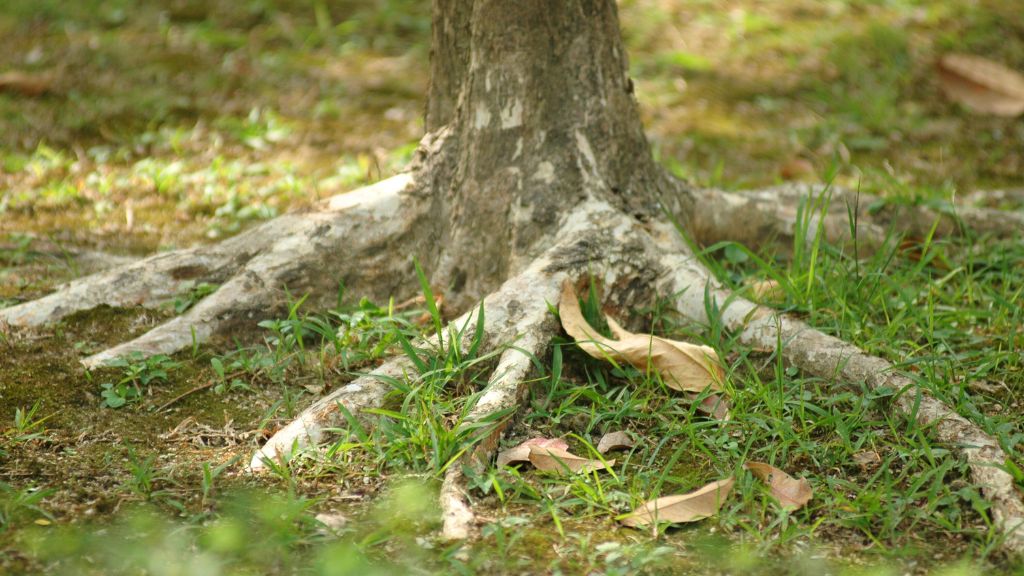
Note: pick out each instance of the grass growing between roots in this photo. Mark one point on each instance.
(168, 125)
(884, 493)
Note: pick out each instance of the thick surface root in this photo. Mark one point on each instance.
(340, 240)
(363, 393)
(594, 238)
(833, 359)
(773, 214)
(506, 390)
(503, 311)
(145, 282)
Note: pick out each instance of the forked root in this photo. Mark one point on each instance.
(243, 297)
(353, 236)
(833, 359)
(594, 238)
(145, 282)
(502, 317)
(505, 391)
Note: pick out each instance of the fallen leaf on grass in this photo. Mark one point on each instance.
(867, 460)
(332, 521)
(796, 169)
(767, 291)
(614, 441)
(696, 505)
(712, 405)
(981, 85)
(521, 453)
(551, 459)
(682, 366)
(24, 83)
(790, 492)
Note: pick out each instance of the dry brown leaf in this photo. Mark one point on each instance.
(552, 459)
(791, 493)
(767, 291)
(712, 404)
(796, 169)
(696, 505)
(332, 521)
(981, 85)
(614, 441)
(682, 366)
(521, 453)
(867, 460)
(24, 83)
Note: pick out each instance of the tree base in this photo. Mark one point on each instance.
(365, 238)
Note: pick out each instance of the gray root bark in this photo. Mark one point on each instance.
(506, 390)
(350, 239)
(594, 237)
(837, 361)
(534, 169)
(757, 217)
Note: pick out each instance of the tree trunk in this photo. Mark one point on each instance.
(536, 106)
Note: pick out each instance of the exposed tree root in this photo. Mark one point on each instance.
(341, 239)
(594, 238)
(757, 216)
(506, 390)
(833, 359)
(501, 315)
(364, 238)
(92, 261)
(308, 428)
(1012, 196)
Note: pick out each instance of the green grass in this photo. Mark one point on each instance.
(914, 504)
(170, 125)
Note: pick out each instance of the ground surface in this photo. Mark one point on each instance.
(168, 123)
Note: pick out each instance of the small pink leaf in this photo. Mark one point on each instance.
(553, 459)
(790, 492)
(521, 453)
(712, 404)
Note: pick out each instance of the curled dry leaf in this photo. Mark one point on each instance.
(521, 453)
(790, 492)
(682, 366)
(615, 441)
(332, 521)
(696, 505)
(552, 459)
(981, 85)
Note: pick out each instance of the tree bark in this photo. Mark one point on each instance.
(537, 107)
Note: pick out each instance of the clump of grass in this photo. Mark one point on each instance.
(137, 374)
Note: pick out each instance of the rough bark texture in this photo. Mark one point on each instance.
(540, 114)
